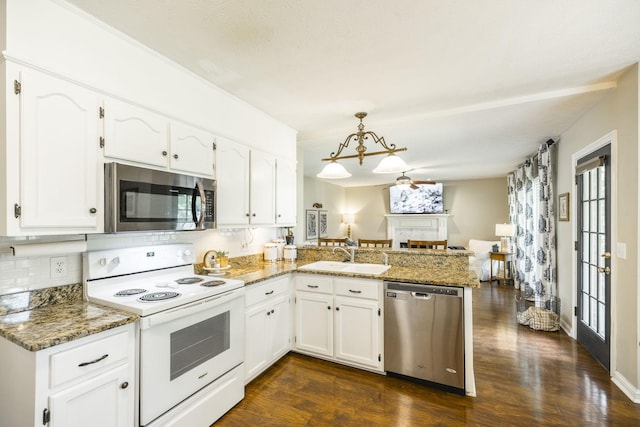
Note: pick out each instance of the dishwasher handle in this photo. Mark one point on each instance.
(421, 295)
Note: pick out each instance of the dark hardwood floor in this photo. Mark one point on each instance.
(523, 378)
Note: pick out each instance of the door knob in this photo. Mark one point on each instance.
(606, 255)
(606, 270)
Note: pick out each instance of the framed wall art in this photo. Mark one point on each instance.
(311, 224)
(323, 223)
(563, 207)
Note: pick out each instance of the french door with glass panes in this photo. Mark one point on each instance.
(593, 179)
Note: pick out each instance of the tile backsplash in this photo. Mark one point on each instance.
(29, 273)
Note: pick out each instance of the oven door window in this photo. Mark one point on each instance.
(198, 343)
(144, 202)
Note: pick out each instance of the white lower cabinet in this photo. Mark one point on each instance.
(340, 319)
(267, 325)
(86, 382)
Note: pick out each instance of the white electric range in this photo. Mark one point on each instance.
(191, 330)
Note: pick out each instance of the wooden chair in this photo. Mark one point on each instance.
(331, 242)
(427, 244)
(373, 243)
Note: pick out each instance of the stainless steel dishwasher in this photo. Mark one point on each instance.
(424, 333)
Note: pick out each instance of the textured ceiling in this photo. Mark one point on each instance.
(470, 87)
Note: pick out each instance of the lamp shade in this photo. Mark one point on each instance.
(348, 218)
(391, 164)
(333, 170)
(505, 230)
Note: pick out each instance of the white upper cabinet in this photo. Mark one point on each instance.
(262, 189)
(232, 189)
(246, 181)
(135, 134)
(285, 192)
(53, 182)
(192, 150)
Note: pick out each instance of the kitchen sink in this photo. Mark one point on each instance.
(346, 267)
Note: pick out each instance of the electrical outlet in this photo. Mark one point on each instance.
(59, 267)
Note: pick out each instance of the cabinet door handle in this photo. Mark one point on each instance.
(337, 308)
(164, 153)
(328, 307)
(124, 385)
(312, 286)
(272, 311)
(268, 313)
(269, 293)
(93, 210)
(355, 292)
(175, 156)
(93, 361)
(254, 214)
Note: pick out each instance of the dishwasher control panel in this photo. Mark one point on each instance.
(392, 287)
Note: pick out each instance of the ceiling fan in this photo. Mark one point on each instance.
(404, 180)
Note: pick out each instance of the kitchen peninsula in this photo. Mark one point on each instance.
(419, 266)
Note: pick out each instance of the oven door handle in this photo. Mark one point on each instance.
(188, 309)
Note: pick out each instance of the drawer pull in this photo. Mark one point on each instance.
(312, 286)
(355, 292)
(269, 293)
(93, 361)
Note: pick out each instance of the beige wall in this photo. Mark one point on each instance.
(475, 207)
(332, 198)
(618, 110)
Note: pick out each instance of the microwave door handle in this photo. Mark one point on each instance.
(203, 203)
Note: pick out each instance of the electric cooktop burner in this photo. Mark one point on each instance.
(127, 292)
(188, 280)
(213, 283)
(158, 296)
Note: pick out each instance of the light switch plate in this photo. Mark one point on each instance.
(621, 250)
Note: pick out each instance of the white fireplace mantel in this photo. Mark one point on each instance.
(402, 227)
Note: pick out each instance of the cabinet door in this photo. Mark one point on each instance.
(135, 134)
(357, 331)
(285, 192)
(232, 174)
(191, 150)
(314, 322)
(257, 343)
(60, 184)
(101, 401)
(279, 327)
(262, 188)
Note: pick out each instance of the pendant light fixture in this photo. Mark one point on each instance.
(389, 164)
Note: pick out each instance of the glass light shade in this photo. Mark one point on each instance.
(348, 218)
(334, 170)
(391, 164)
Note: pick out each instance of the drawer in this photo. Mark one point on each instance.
(255, 294)
(314, 283)
(368, 289)
(88, 358)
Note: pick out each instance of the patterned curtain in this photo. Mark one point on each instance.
(531, 208)
(546, 251)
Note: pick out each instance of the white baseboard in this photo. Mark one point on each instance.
(626, 387)
(567, 328)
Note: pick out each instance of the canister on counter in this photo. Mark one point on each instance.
(290, 253)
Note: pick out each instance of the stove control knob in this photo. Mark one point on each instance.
(103, 261)
(187, 252)
(116, 260)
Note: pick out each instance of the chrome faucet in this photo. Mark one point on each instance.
(385, 258)
(351, 252)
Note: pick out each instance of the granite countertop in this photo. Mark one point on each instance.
(260, 271)
(44, 318)
(39, 319)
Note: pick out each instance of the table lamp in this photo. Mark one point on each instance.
(505, 232)
(348, 219)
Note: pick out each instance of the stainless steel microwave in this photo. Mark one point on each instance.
(140, 199)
